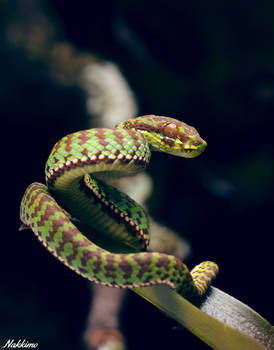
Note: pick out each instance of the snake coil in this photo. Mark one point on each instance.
(94, 229)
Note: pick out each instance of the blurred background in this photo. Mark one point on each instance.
(210, 64)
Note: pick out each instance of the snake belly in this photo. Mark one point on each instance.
(98, 231)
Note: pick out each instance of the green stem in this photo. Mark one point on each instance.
(250, 331)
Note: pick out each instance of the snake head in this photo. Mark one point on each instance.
(168, 135)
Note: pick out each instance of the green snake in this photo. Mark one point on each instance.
(98, 231)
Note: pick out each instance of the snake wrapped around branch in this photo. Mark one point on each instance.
(98, 231)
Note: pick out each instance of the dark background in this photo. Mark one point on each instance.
(210, 64)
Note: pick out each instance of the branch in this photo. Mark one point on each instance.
(221, 321)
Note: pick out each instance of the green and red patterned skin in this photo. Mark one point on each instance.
(105, 235)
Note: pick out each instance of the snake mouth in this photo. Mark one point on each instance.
(191, 153)
(194, 152)
(185, 153)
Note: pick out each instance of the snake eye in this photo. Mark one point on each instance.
(171, 130)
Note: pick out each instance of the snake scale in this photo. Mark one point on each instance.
(98, 231)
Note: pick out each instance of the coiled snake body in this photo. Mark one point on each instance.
(105, 236)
